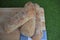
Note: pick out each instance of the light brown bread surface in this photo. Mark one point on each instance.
(28, 20)
(15, 17)
(39, 23)
(5, 18)
(28, 29)
(37, 36)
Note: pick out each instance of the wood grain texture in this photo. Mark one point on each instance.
(15, 35)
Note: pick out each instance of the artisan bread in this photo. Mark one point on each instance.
(15, 17)
(28, 29)
(39, 25)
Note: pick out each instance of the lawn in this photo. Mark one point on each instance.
(52, 14)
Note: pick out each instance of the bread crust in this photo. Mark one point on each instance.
(28, 29)
(15, 17)
(39, 23)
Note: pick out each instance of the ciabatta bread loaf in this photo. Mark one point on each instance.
(12, 18)
(40, 23)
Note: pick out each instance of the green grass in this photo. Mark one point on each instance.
(52, 14)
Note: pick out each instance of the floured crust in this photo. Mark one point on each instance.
(28, 29)
(29, 21)
(40, 23)
(37, 36)
(6, 15)
(14, 18)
